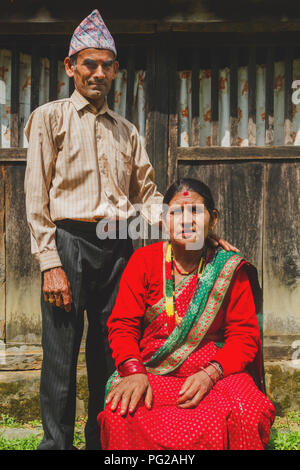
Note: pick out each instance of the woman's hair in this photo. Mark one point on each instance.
(193, 185)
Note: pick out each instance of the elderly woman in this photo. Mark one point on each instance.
(186, 341)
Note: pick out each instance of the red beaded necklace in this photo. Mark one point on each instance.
(171, 310)
(183, 273)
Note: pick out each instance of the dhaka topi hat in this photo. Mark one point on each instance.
(92, 32)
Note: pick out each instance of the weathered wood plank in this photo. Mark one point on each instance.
(233, 96)
(173, 117)
(236, 153)
(193, 153)
(288, 105)
(157, 122)
(14, 98)
(252, 97)
(35, 77)
(150, 114)
(130, 82)
(282, 248)
(195, 98)
(238, 193)
(23, 319)
(214, 97)
(2, 253)
(150, 26)
(16, 154)
(269, 121)
(53, 73)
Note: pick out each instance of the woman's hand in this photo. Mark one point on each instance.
(130, 391)
(196, 387)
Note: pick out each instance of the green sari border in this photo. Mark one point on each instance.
(198, 332)
(186, 337)
(158, 308)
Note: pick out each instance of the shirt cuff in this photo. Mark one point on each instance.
(49, 259)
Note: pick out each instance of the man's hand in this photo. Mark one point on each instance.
(196, 387)
(214, 240)
(129, 391)
(56, 288)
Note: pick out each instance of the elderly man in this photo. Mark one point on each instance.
(85, 163)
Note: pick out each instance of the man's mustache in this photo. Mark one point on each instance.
(97, 82)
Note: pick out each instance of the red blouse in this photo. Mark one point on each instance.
(141, 286)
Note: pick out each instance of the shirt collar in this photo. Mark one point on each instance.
(80, 102)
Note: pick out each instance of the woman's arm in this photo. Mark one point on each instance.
(242, 334)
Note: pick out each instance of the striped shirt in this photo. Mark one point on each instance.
(83, 164)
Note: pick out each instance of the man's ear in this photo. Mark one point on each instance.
(116, 68)
(69, 67)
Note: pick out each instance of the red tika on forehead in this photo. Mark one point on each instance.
(185, 193)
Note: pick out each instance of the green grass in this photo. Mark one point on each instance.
(32, 441)
(26, 443)
(285, 433)
(289, 440)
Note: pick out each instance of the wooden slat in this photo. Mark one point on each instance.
(157, 124)
(173, 117)
(189, 153)
(252, 97)
(195, 140)
(288, 105)
(2, 254)
(233, 96)
(214, 97)
(126, 26)
(35, 78)
(150, 88)
(269, 121)
(281, 249)
(238, 153)
(23, 321)
(237, 189)
(14, 97)
(130, 83)
(13, 154)
(53, 74)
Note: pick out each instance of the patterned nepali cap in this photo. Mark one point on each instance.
(92, 32)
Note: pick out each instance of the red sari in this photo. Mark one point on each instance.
(235, 414)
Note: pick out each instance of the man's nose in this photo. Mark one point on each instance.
(99, 72)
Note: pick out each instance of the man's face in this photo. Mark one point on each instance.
(93, 73)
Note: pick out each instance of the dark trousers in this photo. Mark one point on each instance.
(94, 268)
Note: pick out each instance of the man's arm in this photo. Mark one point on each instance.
(40, 162)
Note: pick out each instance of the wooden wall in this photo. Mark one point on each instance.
(256, 190)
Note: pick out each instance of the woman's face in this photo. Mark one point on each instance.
(188, 221)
